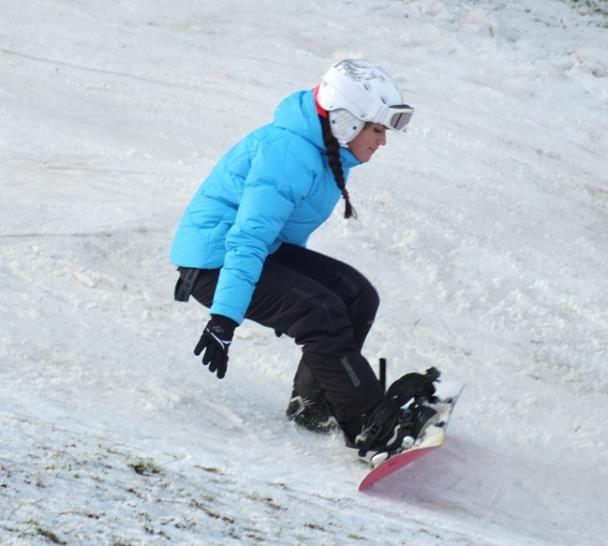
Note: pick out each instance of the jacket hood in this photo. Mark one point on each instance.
(297, 113)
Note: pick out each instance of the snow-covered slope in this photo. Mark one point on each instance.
(484, 229)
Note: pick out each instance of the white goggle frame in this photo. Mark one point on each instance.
(396, 117)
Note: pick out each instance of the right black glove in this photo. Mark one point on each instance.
(215, 341)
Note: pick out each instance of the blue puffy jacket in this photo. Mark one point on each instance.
(273, 186)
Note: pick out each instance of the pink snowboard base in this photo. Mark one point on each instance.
(393, 464)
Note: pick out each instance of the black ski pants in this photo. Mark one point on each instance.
(328, 307)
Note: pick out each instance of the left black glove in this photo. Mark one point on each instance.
(215, 341)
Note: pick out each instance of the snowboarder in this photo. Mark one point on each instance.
(240, 248)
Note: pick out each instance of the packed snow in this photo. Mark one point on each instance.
(483, 228)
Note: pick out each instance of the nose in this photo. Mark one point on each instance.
(382, 139)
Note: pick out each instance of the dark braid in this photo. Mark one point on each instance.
(333, 156)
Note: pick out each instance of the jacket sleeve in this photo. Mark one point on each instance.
(277, 181)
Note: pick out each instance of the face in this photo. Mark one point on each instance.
(365, 144)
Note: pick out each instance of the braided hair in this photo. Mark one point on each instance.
(333, 156)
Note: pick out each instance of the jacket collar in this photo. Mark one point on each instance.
(299, 113)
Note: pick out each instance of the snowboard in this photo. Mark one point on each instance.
(431, 437)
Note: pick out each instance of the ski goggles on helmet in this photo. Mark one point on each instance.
(396, 117)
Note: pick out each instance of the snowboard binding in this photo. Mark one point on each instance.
(398, 421)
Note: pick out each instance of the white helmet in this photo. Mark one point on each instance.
(355, 92)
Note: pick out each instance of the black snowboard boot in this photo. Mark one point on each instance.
(314, 415)
(307, 406)
(396, 423)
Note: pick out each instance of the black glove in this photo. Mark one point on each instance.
(215, 340)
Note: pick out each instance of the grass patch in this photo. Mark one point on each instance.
(592, 7)
(46, 533)
(145, 467)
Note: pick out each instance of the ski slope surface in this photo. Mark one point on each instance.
(483, 229)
